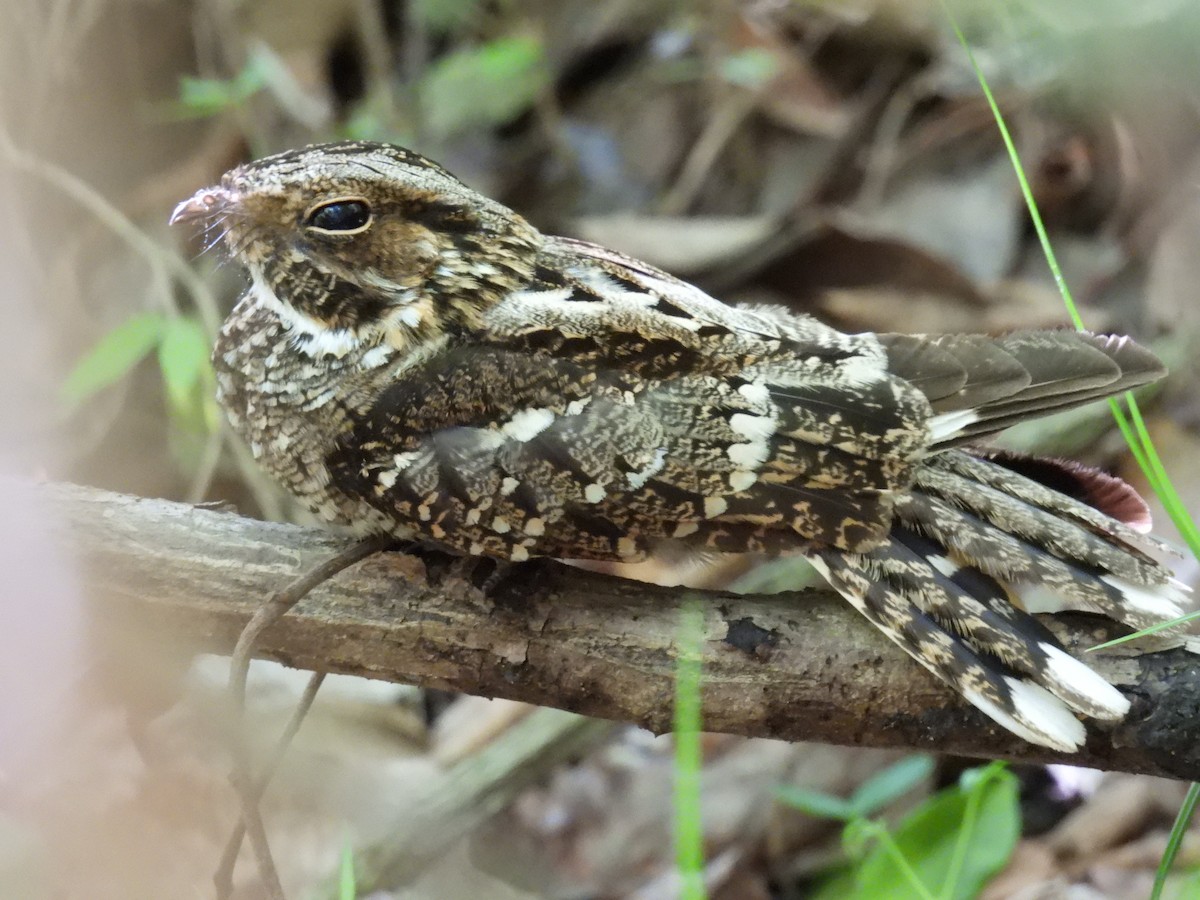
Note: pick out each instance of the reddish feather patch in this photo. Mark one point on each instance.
(1099, 490)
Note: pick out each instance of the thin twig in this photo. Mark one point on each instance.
(271, 611)
(202, 479)
(223, 879)
(163, 262)
(707, 149)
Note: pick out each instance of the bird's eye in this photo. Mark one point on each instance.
(339, 217)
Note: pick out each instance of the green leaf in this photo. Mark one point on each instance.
(183, 354)
(254, 76)
(874, 794)
(952, 843)
(859, 835)
(749, 68)
(487, 85)
(816, 803)
(444, 16)
(112, 358)
(364, 124)
(204, 96)
(895, 781)
(199, 97)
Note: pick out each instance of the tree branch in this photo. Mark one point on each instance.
(799, 666)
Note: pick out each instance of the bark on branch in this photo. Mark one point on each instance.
(798, 666)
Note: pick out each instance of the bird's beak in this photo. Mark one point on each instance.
(201, 206)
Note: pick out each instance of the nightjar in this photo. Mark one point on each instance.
(413, 358)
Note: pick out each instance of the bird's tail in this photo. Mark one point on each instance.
(970, 537)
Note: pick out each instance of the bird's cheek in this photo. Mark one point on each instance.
(404, 252)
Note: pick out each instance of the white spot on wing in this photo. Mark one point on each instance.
(594, 493)
(377, 356)
(639, 479)
(552, 297)
(528, 424)
(750, 455)
(753, 428)
(860, 371)
(603, 284)
(756, 392)
(946, 425)
(403, 460)
(742, 481)
(715, 506)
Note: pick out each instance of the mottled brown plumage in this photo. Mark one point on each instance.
(413, 358)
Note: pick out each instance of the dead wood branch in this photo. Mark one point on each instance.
(791, 666)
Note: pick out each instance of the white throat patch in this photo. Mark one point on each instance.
(395, 329)
(322, 339)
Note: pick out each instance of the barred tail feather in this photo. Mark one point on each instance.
(967, 539)
(1019, 705)
(977, 607)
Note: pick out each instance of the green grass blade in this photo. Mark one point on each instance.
(1178, 830)
(1163, 486)
(347, 883)
(689, 826)
(1026, 190)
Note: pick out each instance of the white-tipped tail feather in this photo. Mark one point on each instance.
(1081, 687)
(968, 539)
(1036, 715)
(1161, 601)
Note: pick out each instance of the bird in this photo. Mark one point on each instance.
(412, 358)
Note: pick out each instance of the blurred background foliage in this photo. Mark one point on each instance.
(836, 158)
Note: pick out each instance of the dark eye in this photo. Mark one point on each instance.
(340, 217)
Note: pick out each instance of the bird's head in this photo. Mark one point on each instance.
(365, 241)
